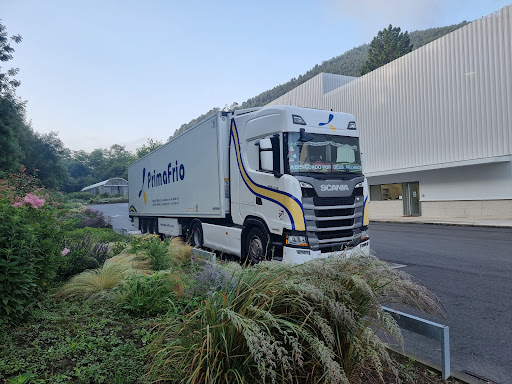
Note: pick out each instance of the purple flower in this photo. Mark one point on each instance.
(65, 251)
(18, 204)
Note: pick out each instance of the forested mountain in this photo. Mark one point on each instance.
(421, 38)
(349, 63)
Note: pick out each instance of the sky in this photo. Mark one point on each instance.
(120, 72)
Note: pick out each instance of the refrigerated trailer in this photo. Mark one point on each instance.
(278, 182)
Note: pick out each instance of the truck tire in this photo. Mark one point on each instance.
(144, 225)
(152, 226)
(196, 234)
(257, 246)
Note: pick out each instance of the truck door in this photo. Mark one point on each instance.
(249, 200)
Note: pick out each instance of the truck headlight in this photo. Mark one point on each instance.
(365, 235)
(297, 239)
(303, 184)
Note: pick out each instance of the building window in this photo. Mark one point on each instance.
(386, 192)
(375, 194)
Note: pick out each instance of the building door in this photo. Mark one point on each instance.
(411, 199)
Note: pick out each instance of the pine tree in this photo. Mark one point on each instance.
(388, 45)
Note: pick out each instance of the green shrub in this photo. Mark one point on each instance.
(155, 248)
(86, 248)
(150, 295)
(93, 219)
(105, 235)
(85, 217)
(88, 198)
(79, 195)
(80, 254)
(29, 246)
(118, 247)
(29, 241)
(275, 322)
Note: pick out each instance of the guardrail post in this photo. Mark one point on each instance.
(210, 256)
(428, 329)
(445, 353)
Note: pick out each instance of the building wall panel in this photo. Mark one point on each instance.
(448, 101)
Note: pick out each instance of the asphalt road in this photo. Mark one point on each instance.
(470, 270)
(118, 214)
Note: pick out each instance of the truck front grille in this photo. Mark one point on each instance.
(334, 212)
(333, 223)
(330, 235)
(331, 201)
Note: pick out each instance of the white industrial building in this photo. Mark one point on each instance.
(436, 124)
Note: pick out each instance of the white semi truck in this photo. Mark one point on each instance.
(278, 182)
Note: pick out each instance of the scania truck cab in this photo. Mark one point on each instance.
(278, 182)
(299, 171)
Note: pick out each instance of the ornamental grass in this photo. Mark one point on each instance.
(116, 269)
(93, 281)
(280, 323)
(179, 251)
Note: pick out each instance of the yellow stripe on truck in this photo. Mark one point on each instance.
(292, 206)
(366, 217)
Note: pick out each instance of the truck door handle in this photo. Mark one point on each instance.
(258, 201)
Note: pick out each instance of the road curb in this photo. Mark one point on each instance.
(462, 377)
(442, 223)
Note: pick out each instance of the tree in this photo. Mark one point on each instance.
(149, 147)
(11, 109)
(107, 163)
(118, 160)
(388, 45)
(11, 122)
(8, 83)
(44, 155)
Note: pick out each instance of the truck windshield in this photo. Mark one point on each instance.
(327, 154)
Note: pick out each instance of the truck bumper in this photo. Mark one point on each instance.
(299, 256)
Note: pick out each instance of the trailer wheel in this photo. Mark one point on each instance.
(144, 225)
(257, 245)
(152, 226)
(196, 233)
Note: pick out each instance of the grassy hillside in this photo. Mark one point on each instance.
(349, 63)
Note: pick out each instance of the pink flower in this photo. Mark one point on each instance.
(18, 204)
(65, 251)
(34, 201)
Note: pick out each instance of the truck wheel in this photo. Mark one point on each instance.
(257, 245)
(152, 226)
(144, 225)
(196, 233)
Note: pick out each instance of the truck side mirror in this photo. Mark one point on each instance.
(270, 155)
(276, 155)
(266, 155)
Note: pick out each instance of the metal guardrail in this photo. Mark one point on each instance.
(201, 253)
(428, 329)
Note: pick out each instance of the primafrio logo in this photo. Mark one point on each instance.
(153, 179)
(331, 116)
(334, 187)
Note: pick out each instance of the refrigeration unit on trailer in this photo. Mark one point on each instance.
(277, 182)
